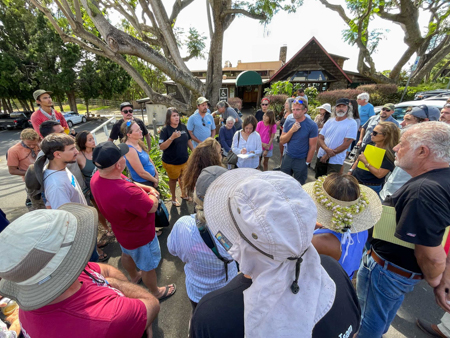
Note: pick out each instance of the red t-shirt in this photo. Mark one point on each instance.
(95, 311)
(126, 207)
(37, 118)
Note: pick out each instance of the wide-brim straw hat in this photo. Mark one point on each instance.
(365, 220)
(44, 252)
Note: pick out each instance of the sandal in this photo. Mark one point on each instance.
(110, 234)
(166, 293)
(176, 203)
(187, 198)
(103, 257)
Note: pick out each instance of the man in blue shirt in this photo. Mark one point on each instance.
(300, 135)
(365, 108)
(201, 125)
(367, 128)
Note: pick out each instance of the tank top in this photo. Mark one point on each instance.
(355, 251)
(88, 170)
(146, 163)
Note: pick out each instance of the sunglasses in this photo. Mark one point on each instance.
(203, 122)
(127, 111)
(375, 133)
(264, 104)
(447, 105)
(385, 109)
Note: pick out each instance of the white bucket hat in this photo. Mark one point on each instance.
(366, 218)
(325, 106)
(265, 220)
(44, 251)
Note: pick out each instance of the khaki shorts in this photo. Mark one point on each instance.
(174, 170)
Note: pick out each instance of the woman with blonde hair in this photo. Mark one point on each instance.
(139, 163)
(345, 212)
(385, 135)
(206, 154)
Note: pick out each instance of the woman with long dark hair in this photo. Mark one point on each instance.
(174, 141)
(386, 135)
(267, 129)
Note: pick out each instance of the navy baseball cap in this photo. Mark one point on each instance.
(343, 101)
(426, 112)
(107, 154)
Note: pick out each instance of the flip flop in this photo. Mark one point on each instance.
(187, 198)
(102, 244)
(166, 294)
(176, 203)
(103, 257)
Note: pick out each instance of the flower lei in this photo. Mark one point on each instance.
(342, 219)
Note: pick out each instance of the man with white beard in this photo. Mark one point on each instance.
(334, 139)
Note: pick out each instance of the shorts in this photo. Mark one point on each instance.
(174, 170)
(146, 257)
(269, 153)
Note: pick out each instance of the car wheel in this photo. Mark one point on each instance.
(70, 124)
(83, 120)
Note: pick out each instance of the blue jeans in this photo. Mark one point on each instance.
(376, 188)
(380, 293)
(296, 166)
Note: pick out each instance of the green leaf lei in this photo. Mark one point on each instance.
(342, 219)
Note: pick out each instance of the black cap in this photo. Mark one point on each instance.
(125, 104)
(107, 154)
(343, 101)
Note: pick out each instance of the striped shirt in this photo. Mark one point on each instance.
(204, 271)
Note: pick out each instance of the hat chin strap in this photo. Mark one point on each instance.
(347, 237)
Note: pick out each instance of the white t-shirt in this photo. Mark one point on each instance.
(61, 187)
(335, 132)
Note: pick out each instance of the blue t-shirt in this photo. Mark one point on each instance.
(201, 126)
(298, 146)
(146, 164)
(365, 112)
(355, 251)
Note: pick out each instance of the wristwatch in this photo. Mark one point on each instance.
(307, 163)
(367, 165)
(350, 170)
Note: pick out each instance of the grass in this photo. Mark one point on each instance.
(82, 108)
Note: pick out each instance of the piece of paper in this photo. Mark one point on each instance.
(374, 156)
(385, 229)
(244, 156)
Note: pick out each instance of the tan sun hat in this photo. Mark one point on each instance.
(369, 202)
(44, 251)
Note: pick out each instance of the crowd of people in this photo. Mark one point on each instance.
(266, 254)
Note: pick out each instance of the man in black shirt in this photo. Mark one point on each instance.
(126, 109)
(220, 314)
(389, 270)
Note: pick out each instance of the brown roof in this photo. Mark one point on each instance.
(312, 56)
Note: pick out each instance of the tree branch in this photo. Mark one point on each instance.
(178, 6)
(243, 12)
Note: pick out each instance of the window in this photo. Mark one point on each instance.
(309, 76)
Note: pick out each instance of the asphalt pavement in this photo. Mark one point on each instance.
(173, 318)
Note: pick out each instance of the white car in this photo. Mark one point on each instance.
(74, 118)
(400, 108)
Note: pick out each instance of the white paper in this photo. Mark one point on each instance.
(244, 156)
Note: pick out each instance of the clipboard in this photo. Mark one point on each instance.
(374, 156)
(385, 229)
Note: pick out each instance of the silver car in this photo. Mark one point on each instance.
(74, 118)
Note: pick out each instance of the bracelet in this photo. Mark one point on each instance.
(367, 165)
(170, 138)
(350, 170)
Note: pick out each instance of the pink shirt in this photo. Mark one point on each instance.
(126, 207)
(37, 118)
(265, 132)
(95, 311)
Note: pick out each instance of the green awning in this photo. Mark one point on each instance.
(248, 78)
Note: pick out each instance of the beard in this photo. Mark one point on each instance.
(69, 162)
(340, 113)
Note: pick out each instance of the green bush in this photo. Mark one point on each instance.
(333, 95)
(156, 156)
(277, 104)
(279, 88)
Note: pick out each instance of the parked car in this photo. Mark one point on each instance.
(16, 120)
(430, 93)
(400, 108)
(74, 118)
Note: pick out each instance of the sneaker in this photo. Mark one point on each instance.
(429, 328)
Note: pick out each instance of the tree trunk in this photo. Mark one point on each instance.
(86, 102)
(438, 74)
(72, 101)
(60, 105)
(32, 104)
(24, 105)
(426, 67)
(6, 108)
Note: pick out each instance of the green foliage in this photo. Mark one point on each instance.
(195, 44)
(280, 88)
(312, 93)
(156, 156)
(269, 7)
(89, 83)
(277, 103)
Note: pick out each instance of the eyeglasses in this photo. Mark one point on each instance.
(264, 104)
(385, 109)
(375, 133)
(127, 111)
(203, 122)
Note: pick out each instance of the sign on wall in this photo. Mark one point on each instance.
(223, 94)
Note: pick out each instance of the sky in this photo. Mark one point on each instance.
(249, 41)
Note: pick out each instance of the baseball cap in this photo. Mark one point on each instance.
(39, 92)
(107, 154)
(206, 177)
(201, 100)
(426, 112)
(343, 101)
(325, 106)
(125, 104)
(44, 251)
(389, 106)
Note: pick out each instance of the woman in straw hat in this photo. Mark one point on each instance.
(345, 211)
